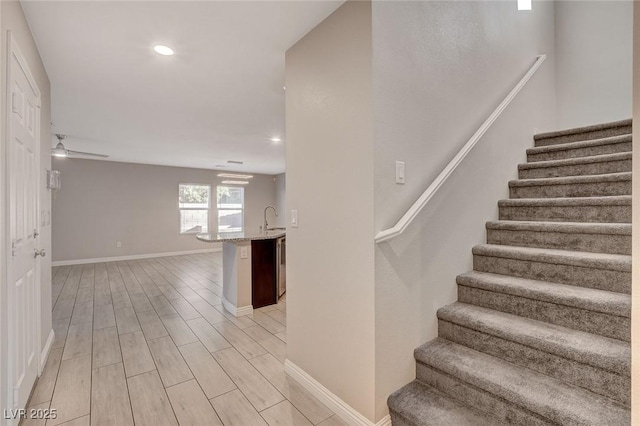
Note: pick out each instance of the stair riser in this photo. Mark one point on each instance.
(607, 214)
(566, 316)
(595, 243)
(504, 411)
(601, 279)
(585, 136)
(602, 382)
(595, 189)
(580, 152)
(576, 170)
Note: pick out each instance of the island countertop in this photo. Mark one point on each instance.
(240, 236)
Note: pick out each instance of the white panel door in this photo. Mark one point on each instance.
(23, 293)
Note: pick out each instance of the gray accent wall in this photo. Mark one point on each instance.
(102, 202)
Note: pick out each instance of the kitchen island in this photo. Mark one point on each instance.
(250, 268)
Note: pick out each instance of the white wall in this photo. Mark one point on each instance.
(635, 287)
(102, 202)
(330, 292)
(593, 68)
(440, 68)
(281, 199)
(12, 19)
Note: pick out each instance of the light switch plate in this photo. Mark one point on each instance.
(244, 252)
(400, 172)
(294, 218)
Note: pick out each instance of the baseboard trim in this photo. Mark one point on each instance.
(132, 257)
(234, 310)
(44, 355)
(244, 310)
(385, 421)
(331, 400)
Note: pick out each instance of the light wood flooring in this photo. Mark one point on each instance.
(147, 342)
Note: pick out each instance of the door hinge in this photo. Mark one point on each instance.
(13, 248)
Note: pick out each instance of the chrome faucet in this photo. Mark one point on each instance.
(266, 225)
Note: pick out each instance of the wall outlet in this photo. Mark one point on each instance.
(294, 218)
(118, 244)
(244, 252)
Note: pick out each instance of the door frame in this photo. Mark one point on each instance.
(13, 52)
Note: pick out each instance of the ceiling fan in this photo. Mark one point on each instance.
(61, 151)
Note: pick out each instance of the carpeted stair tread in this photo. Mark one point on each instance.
(607, 209)
(619, 156)
(570, 180)
(615, 262)
(543, 395)
(582, 144)
(417, 404)
(572, 186)
(595, 237)
(609, 145)
(601, 352)
(586, 132)
(562, 227)
(617, 200)
(606, 302)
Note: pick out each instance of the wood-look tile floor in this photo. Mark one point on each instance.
(147, 342)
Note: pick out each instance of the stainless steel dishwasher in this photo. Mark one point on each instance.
(281, 269)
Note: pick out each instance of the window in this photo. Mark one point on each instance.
(230, 209)
(194, 202)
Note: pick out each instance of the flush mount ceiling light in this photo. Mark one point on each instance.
(163, 50)
(235, 182)
(234, 176)
(524, 4)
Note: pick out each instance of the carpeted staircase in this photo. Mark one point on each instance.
(540, 333)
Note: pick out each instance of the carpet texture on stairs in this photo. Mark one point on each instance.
(541, 329)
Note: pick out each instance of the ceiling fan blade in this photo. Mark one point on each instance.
(87, 153)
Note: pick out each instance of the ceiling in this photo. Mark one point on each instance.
(219, 98)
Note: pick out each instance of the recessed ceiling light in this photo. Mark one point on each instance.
(276, 139)
(234, 176)
(163, 50)
(235, 182)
